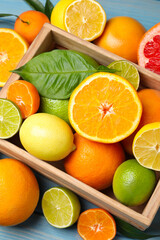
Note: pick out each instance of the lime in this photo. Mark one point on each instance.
(47, 137)
(133, 184)
(55, 107)
(146, 146)
(126, 70)
(10, 118)
(61, 207)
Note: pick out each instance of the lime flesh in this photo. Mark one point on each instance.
(61, 207)
(126, 70)
(10, 119)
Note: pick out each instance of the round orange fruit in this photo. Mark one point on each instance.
(94, 163)
(19, 192)
(122, 36)
(150, 100)
(29, 24)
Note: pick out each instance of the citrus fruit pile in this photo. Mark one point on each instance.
(106, 116)
(95, 131)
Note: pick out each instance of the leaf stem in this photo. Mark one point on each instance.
(13, 15)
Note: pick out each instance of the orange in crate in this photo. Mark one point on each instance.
(25, 95)
(94, 163)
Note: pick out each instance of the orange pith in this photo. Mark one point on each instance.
(105, 108)
(25, 95)
(96, 224)
(12, 49)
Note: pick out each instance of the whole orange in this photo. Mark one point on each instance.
(122, 36)
(150, 100)
(29, 24)
(94, 163)
(19, 192)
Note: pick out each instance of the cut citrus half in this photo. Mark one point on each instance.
(149, 49)
(104, 108)
(61, 207)
(12, 49)
(126, 70)
(25, 95)
(146, 146)
(10, 119)
(85, 19)
(96, 224)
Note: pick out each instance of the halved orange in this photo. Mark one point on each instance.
(85, 19)
(96, 224)
(12, 49)
(104, 108)
(25, 95)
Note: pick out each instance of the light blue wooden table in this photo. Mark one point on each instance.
(36, 227)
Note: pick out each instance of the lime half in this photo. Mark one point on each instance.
(61, 207)
(55, 107)
(126, 70)
(10, 118)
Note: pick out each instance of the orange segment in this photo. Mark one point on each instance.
(25, 96)
(12, 49)
(96, 224)
(105, 108)
(85, 19)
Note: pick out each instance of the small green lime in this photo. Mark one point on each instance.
(55, 107)
(61, 207)
(126, 70)
(10, 118)
(133, 184)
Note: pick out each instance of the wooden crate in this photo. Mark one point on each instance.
(49, 38)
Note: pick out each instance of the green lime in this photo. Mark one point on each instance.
(61, 207)
(10, 118)
(133, 184)
(126, 70)
(55, 107)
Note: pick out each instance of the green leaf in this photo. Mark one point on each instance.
(57, 73)
(48, 8)
(129, 231)
(12, 15)
(36, 5)
(7, 15)
(103, 68)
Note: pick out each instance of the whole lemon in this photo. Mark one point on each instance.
(132, 183)
(58, 13)
(46, 136)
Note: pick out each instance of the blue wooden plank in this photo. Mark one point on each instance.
(36, 227)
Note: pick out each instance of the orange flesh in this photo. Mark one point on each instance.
(11, 51)
(108, 108)
(25, 95)
(96, 224)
